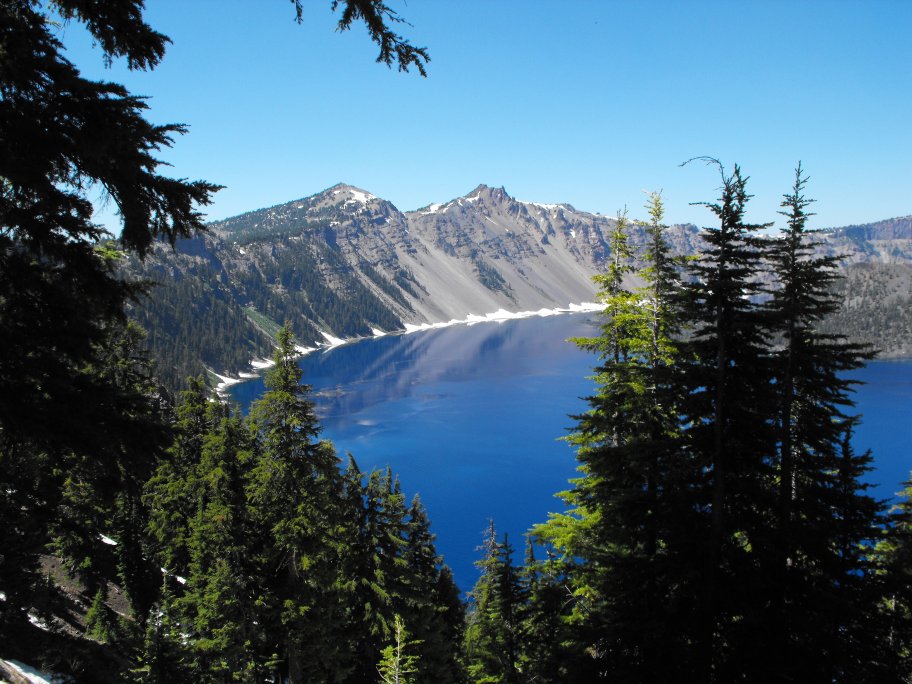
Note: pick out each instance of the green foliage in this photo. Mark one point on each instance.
(76, 404)
(398, 664)
(99, 619)
(494, 632)
(720, 530)
(629, 503)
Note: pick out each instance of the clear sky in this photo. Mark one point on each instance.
(586, 101)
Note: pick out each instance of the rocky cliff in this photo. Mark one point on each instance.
(344, 263)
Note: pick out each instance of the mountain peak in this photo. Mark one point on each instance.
(345, 192)
(486, 191)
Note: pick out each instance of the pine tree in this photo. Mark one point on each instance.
(217, 607)
(398, 664)
(295, 494)
(825, 585)
(630, 509)
(494, 637)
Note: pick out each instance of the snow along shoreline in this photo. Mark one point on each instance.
(499, 316)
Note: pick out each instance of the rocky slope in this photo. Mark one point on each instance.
(344, 263)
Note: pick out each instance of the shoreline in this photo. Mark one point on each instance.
(499, 316)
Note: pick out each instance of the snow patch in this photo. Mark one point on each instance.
(360, 196)
(225, 381)
(548, 207)
(38, 622)
(332, 341)
(502, 315)
(30, 673)
(432, 209)
(260, 364)
(107, 540)
(376, 332)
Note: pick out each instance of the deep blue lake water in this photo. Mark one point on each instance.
(470, 418)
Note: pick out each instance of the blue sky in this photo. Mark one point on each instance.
(588, 102)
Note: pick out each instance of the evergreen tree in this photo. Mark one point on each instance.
(825, 598)
(61, 299)
(729, 436)
(294, 492)
(548, 636)
(397, 664)
(217, 606)
(101, 524)
(494, 637)
(171, 494)
(163, 654)
(895, 557)
(631, 512)
(434, 618)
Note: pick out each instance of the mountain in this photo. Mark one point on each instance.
(344, 263)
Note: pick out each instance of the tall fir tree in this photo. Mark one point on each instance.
(825, 585)
(729, 436)
(494, 637)
(430, 616)
(295, 495)
(217, 606)
(630, 511)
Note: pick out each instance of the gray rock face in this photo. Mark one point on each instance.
(346, 263)
(474, 255)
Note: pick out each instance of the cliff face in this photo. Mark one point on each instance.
(345, 263)
(475, 254)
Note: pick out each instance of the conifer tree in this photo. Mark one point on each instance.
(823, 515)
(428, 607)
(399, 664)
(163, 655)
(494, 637)
(894, 555)
(171, 494)
(294, 492)
(547, 634)
(629, 509)
(363, 592)
(217, 607)
(729, 436)
(101, 524)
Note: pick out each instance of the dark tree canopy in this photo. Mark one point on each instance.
(82, 422)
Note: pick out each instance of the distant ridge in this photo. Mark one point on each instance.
(345, 263)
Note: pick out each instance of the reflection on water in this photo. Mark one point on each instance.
(470, 417)
(349, 379)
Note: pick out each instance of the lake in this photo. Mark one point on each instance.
(470, 417)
